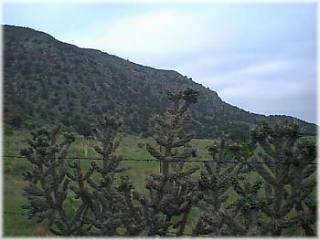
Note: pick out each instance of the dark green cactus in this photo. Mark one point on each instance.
(108, 215)
(172, 193)
(280, 202)
(48, 184)
(216, 179)
(100, 205)
(286, 166)
(246, 210)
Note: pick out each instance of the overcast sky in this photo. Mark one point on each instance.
(259, 57)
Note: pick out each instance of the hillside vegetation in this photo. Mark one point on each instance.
(48, 81)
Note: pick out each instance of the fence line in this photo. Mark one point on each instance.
(91, 158)
(153, 160)
(124, 159)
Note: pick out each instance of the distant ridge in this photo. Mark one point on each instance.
(48, 81)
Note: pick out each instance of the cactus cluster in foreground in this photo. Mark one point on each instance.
(268, 191)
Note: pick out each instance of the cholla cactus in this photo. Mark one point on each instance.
(216, 180)
(100, 207)
(302, 181)
(47, 182)
(246, 210)
(285, 164)
(104, 205)
(171, 133)
(107, 202)
(113, 211)
(172, 193)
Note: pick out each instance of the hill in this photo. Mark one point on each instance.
(48, 81)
